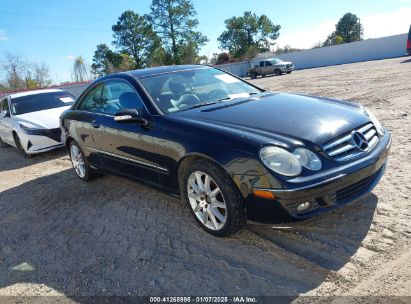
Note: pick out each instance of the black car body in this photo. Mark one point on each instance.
(231, 134)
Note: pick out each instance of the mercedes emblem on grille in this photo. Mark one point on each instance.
(360, 141)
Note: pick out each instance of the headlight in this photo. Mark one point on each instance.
(375, 121)
(280, 161)
(308, 159)
(289, 164)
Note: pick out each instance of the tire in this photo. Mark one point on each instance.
(278, 72)
(289, 72)
(79, 162)
(253, 76)
(3, 144)
(19, 146)
(207, 208)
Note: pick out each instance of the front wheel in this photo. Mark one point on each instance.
(80, 165)
(213, 199)
(278, 72)
(19, 146)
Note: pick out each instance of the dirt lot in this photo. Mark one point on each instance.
(114, 237)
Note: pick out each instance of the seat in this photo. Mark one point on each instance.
(129, 100)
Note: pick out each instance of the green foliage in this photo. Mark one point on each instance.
(220, 58)
(348, 29)
(134, 35)
(248, 33)
(333, 39)
(175, 22)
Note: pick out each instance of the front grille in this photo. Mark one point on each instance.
(353, 144)
(54, 134)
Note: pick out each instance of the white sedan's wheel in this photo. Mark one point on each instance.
(78, 161)
(206, 200)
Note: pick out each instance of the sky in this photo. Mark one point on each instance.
(54, 32)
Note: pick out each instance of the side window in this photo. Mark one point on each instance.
(261, 64)
(118, 95)
(268, 63)
(111, 97)
(92, 99)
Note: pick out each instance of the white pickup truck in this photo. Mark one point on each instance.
(270, 66)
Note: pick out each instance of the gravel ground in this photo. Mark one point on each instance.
(59, 236)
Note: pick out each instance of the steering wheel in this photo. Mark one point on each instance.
(187, 101)
(217, 94)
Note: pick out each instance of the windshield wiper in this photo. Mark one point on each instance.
(213, 102)
(200, 105)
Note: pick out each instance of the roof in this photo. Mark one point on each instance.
(163, 70)
(35, 92)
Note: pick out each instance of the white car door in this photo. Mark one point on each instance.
(6, 130)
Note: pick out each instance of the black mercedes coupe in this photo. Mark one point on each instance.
(230, 150)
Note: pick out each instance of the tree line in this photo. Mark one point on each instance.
(19, 74)
(169, 35)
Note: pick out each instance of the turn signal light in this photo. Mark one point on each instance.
(264, 194)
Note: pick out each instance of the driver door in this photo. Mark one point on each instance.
(123, 147)
(268, 68)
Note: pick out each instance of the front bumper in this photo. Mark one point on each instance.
(287, 69)
(348, 185)
(40, 140)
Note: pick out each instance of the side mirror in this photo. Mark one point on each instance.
(130, 116)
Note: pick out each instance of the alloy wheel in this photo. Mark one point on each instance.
(206, 200)
(77, 161)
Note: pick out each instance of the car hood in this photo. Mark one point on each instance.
(46, 119)
(278, 117)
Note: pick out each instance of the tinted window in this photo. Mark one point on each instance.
(268, 63)
(111, 97)
(40, 102)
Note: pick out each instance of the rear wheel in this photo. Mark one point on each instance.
(80, 165)
(213, 199)
(254, 76)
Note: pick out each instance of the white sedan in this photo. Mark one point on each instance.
(29, 120)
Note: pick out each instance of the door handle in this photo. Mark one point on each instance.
(95, 124)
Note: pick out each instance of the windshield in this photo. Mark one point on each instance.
(39, 102)
(178, 91)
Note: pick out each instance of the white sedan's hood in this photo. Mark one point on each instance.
(46, 119)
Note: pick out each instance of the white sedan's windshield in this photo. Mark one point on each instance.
(183, 90)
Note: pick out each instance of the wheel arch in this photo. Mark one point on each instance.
(192, 157)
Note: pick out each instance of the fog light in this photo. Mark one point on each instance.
(304, 206)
